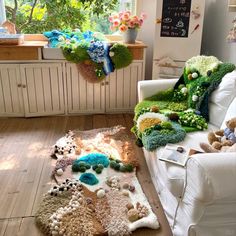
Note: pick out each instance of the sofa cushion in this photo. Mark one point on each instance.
(221, 98)
(172, 176)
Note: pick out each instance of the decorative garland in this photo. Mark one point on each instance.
(91, 52)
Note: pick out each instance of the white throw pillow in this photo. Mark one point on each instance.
(221, 98)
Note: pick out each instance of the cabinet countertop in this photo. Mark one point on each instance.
(37, 44)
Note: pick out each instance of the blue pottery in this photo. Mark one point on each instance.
(130, 35)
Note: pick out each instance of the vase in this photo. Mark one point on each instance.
(130, 35)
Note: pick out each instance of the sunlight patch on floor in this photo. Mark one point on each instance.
(9, 162)
(37, 149)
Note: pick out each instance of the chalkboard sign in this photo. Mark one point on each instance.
(175, 18)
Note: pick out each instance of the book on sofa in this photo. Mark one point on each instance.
(177, 154)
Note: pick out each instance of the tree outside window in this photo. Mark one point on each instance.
(38, 16)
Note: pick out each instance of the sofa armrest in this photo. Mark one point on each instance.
(147, 88)
(210, 177)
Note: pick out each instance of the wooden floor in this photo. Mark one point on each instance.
(25, 168)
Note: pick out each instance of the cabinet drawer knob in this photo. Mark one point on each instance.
(19, 85)
(107, 83)
(23, 86)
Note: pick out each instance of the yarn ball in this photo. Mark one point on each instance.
(59, 172)
(132, 215)
(122, 56)
(101, 193)
(80, 166)
(94, 159)
(173, 116)
(88, 178)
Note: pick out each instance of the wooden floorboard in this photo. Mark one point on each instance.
(25, 168)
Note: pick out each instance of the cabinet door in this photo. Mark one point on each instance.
(11, 102)
(121, 88)
(83, 97)
(42, 86)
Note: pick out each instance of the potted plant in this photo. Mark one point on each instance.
(127, 24)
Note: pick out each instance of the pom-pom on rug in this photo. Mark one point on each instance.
(96, 190)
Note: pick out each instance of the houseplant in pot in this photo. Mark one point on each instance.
(127, 24)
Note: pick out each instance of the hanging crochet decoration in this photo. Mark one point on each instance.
(94, 56)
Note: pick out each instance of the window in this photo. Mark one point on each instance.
(2, 12)
(38, 16)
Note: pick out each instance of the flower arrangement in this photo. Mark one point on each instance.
(124, 20)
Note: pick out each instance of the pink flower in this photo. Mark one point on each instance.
(116, 22)
(128, 12)
(112, 28)
(131, 24)
(143, 16)
(120, 14)
(111, 19)
(135, 18)
(123, 28)
(140, 22)
(115, 16)
(125, 20)
(125, 16)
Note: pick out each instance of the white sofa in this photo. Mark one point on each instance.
(199, 199)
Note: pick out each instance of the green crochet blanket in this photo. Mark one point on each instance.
(166, 116)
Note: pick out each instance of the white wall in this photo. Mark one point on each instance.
(217, 23)
(147, 32)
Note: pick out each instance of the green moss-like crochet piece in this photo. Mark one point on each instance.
(76, 52)
(158, 138)
(213, 80)
(163, 105)
(122, 56)
(88, 178)
(166, 95)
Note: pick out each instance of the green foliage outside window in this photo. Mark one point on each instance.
(38, 16)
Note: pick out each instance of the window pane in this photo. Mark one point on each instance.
(38, 16)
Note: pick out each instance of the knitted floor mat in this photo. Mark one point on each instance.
(102, 195)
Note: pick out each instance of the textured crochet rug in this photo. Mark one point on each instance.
(96, 191)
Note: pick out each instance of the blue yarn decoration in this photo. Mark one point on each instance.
(94, 159)
(96, 52)
(88, 178)
(99, 53)
(157, 139)
(108, 66)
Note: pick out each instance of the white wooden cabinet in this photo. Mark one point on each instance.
(121, 88)
(31, 89)
(11, 100)
(83, 97)
(117, 93)
(42, 86)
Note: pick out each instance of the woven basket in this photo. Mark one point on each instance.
(87, 70)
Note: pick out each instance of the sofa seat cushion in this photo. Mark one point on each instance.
(172, 176)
